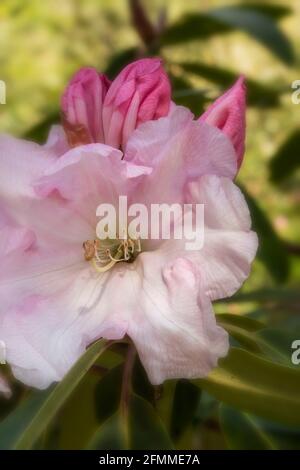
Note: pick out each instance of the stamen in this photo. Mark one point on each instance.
(104, 254)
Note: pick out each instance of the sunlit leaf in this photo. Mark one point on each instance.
(251, 383)
(257, 24)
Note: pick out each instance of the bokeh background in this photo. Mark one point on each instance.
(205, 46)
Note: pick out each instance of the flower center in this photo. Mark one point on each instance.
(104, 254)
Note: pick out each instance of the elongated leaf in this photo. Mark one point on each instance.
(239, 321)
(286, 160)
(244, 431)
(42, 408)
(257, 93)
(257, 24)
(271, 250)
(251, 383)
(140, 428)
(276, 12)
(281, 295)
(272, 343)
(277, 344)
(242, 329)
(185, 405)
(12, 428)
(108, 393)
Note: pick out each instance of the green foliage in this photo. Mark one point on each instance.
(36, 413)
(252, 398)
(257, 94)
(247, 432)
(185, 404)
(249, 382)
(138, 427)
(269, 242)
(257, 22)
(286, 160)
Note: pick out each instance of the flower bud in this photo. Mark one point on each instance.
(82, 105)
(141, 92)
(228, 114)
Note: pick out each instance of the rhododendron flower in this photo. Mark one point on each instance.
(96, 110)
(54, 300)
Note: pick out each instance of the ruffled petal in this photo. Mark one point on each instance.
(173, 325)
(179, 150)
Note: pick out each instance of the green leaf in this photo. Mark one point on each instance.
(239, 321)
(251, 383)
(12, 428)
(273, 343)
(257, 24)
(77, 420)
(139, 428)
(280, 295)
(271, 250)
(242, 329)
(257, 93)
(276, 344)
(184, 408)
(108, 393)
(41, 409)
(243, 432)
(248, 432)
(286, 160)
(276, 12)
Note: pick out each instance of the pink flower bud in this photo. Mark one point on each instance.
(141, 92)
(82, 105)
(228, 114)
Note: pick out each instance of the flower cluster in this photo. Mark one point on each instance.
(125, 138)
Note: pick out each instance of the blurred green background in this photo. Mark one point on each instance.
(205, 45)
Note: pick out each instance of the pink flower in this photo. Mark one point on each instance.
(54, 302)
(97, 111)
(82, 105)
(228, 114)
